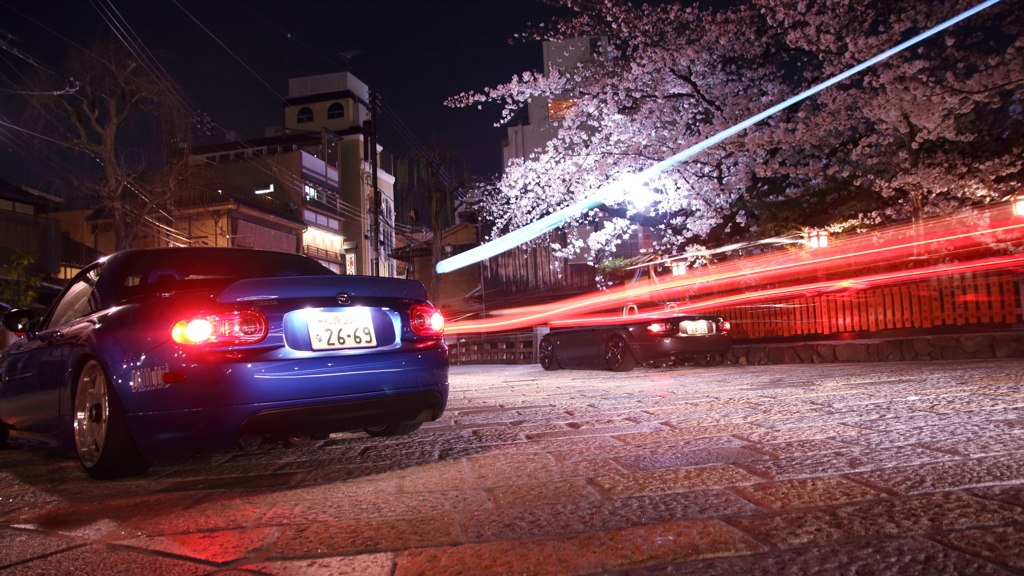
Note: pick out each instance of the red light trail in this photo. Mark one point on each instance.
(969, 239)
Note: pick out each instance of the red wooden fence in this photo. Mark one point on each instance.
(975, 298)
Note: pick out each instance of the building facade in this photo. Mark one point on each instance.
(531, 129)
(304, 187)
(24, 228)
(534, 273)
(339, 104)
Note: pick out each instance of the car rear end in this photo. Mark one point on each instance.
(679, 337)
(273, 358)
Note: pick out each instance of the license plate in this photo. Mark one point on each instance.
(695, 326)
(337, 330)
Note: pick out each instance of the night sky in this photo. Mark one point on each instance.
(417, 53)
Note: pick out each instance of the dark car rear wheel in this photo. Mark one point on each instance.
(104, 445)
(546, 354)
(393, 429)
(617, 356)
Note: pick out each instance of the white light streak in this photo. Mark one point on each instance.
(613, 192)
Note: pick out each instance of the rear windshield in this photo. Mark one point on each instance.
(196, 270)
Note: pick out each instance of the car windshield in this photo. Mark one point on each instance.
(193, 270)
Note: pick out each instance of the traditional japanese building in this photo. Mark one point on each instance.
(304, 187)
(317, 168)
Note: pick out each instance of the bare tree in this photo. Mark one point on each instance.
(128, 131)
(430, 177)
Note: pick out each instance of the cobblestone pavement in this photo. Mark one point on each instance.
(899, 468)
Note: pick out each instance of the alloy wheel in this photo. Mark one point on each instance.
(546, 355)
(617, 356)
(92, 413)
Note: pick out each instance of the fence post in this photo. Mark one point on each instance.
(1019, 286)
(538, 333)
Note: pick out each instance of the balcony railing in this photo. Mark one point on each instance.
(318, 252)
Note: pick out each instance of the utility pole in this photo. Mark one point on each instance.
(373, 180)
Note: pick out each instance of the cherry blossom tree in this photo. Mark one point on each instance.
(926, 132)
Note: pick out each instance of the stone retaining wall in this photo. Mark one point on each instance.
(922, 348)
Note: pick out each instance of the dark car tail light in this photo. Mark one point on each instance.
(660, 327)
(221, 328)
(724, 326)
(426, 320)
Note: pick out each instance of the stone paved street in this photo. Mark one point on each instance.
(875, 468)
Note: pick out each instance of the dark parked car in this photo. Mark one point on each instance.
(620, 344)
(152, 353)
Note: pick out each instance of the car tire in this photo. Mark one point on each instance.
(393, 429)
(617, 355)
(546, 355)
(104, 446)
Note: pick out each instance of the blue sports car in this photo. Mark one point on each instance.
(152, 353)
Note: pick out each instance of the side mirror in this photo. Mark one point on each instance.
(20, 321)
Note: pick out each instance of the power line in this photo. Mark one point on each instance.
(38, 135)
(240, 61)
(134, 44)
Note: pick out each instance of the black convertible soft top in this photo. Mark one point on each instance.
(134, 273)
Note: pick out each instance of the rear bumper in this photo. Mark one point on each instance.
(222, 400)
(342, 416)
(680, 346)
(164, 434)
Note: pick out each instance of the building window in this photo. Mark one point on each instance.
(557, 109)
(304, 116)
(336, 110)
(329, 198)
(320, 219)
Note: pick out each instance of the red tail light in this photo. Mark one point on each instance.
(426, 320)
(725, 326)
(221, 328)
(660, 327)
